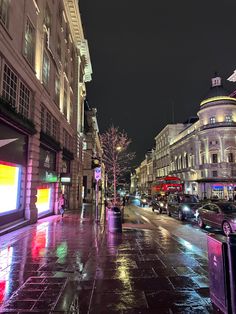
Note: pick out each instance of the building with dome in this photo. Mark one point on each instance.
(203, 154)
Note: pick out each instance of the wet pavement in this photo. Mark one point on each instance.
(73, 265)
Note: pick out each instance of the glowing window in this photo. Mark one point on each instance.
(212, 120)
(43, 199)
(228, 118)
(9, 187)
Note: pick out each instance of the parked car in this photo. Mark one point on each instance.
(221, 215)
(145, 200)
(184, 205)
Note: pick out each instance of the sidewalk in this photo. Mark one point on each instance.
(70, 265)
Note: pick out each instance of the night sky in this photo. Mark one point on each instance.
(151, 56)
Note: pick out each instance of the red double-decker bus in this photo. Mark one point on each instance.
(167, 184)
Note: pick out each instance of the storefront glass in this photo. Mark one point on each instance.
(9, 187)
(43, 203)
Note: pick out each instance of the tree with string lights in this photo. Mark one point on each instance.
(116, 157)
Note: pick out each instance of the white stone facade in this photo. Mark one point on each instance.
(203, 153)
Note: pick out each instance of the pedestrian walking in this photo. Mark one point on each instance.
(62, 204)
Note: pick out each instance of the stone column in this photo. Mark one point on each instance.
(222, 148)
(32, 174)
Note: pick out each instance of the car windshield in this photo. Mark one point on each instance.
(189, 199)
(228, 207)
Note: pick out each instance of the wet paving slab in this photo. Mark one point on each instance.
(72, 267)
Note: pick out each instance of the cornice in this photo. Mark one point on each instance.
(74, 19)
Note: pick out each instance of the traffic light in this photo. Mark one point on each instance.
(95, 162)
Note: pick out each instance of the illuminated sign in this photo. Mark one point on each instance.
(48, 176)
(43, 199)
(9, 186)
(65, 179)
(97, 173)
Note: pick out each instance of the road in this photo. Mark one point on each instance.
(188, 233)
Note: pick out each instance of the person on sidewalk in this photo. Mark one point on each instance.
(62, 204)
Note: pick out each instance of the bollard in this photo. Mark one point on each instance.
(231, 243)
(114, 220)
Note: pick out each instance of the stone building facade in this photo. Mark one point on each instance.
(92, 149)
(203, 152)
(44, 65)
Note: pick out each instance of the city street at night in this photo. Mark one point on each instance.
(69, 265)
(117, 157)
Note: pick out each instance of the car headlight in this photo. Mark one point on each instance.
(186, 208)
(161, 204)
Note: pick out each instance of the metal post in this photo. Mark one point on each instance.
(96, 202)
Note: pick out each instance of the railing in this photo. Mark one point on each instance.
(218, 125)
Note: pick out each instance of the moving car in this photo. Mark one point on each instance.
(159, 204)
(182, 205)
(145, 200)
(221, 215)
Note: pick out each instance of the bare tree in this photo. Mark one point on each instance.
(116, 157)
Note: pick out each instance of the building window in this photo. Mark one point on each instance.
(24, 100)
(214, 173)
(212, 120)
(43, 118)
(57, 90)
(71, 111)
(16, 92)
(59, 47)
(46, 69)
(202, 174)
(55, 128)
(10, 82)
(203, 159)
(47, 18)
(186, 160)
(65, 101)
(228, 118)
(29, 42)
(4, 8)
(214, 158)
(49, 124)
(230, 157)
(67, 140)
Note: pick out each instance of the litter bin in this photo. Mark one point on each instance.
(219, 272)
(114, 220)
(231, 242)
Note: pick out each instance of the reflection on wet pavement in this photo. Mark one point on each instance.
(70, 266)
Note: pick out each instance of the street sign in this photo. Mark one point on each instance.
(97, 173)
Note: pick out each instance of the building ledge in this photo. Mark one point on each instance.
(9, 114)
(13, 226)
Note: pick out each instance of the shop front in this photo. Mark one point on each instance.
(214, 189)
(66, 179)
(46, 189)
(13, 161)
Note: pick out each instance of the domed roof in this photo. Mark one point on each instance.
(216, 89)
(216, 92)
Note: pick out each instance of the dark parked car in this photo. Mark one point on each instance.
(145, 200)
(221, 215)
(184, 205)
